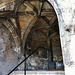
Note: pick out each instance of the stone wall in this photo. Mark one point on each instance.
(26, 21)
(8, 57)
(65, 10)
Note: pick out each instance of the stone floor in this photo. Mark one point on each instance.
(39, 73)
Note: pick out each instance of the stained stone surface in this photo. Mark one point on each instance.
(65, 10)
(8, 57)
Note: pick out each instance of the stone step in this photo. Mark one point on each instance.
(39, 73)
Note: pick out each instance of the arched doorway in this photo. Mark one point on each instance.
(44, 34)
(64, 29)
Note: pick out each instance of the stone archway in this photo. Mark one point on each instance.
(65, 27)
(29, 29)
(65, 14)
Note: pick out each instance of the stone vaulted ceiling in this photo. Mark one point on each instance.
(18, 19)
